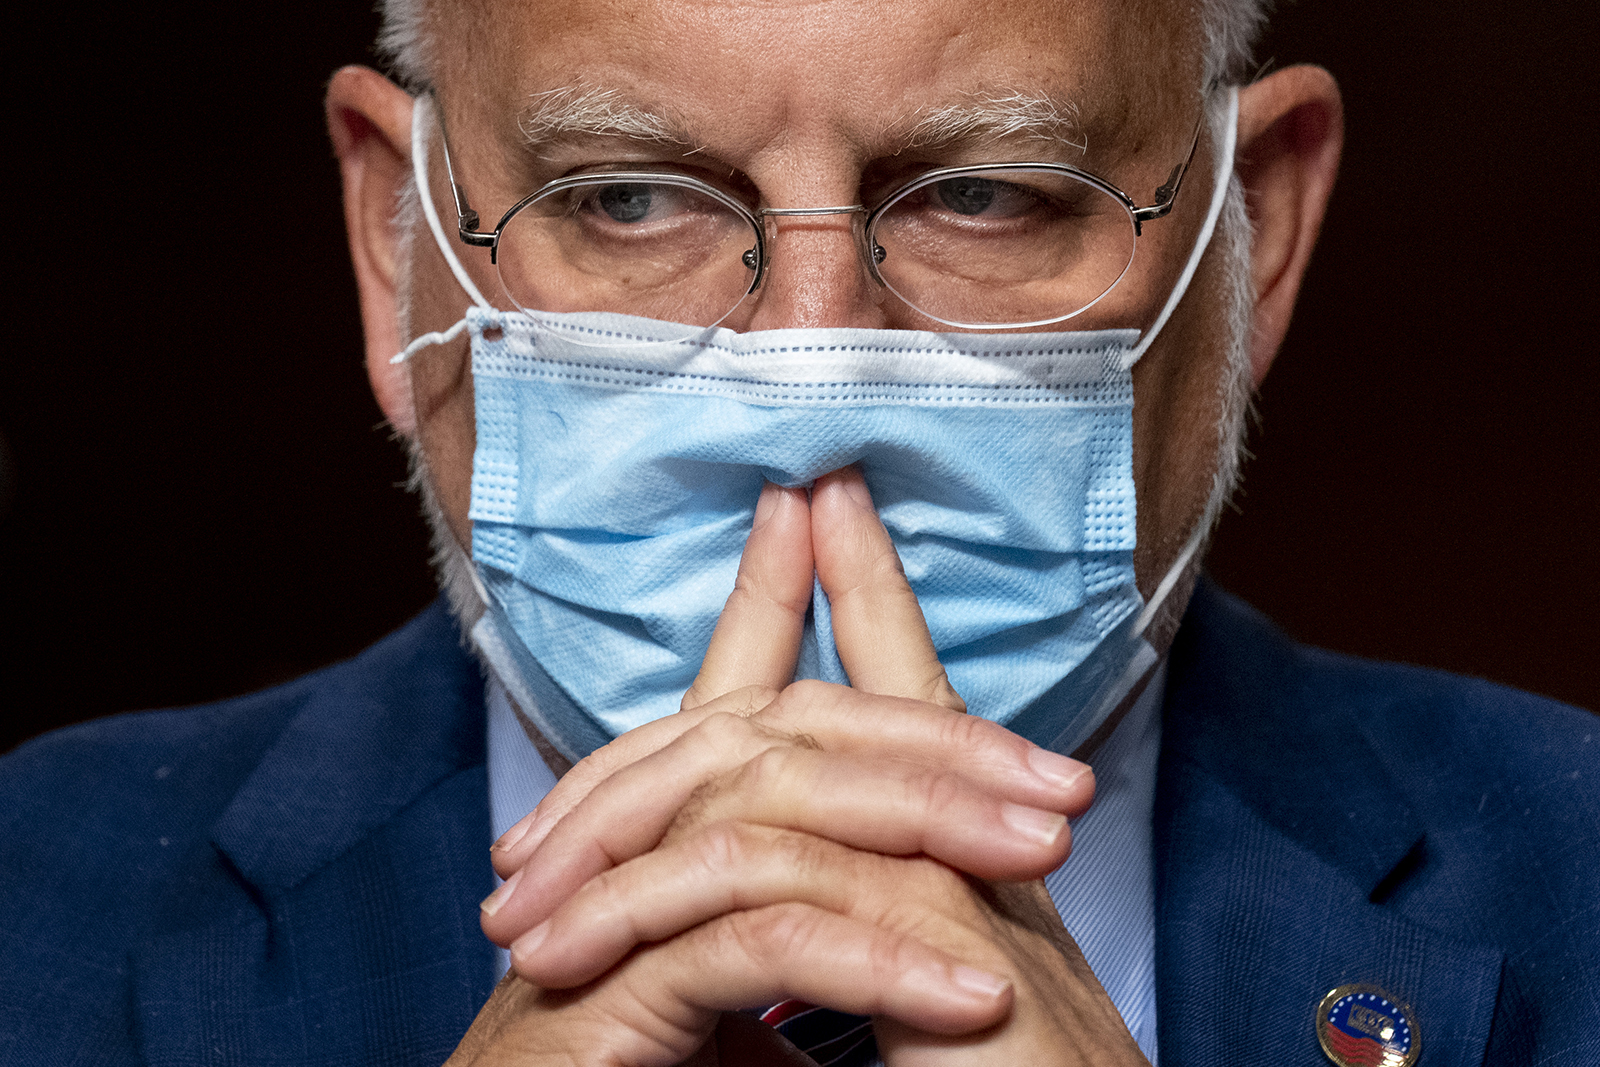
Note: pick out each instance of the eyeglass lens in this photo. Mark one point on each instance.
(1002, 247)
(1016, 246)
(642, 248)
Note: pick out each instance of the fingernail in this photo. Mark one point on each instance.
(766, 505)
(1043, 827)
(529, 943)
(509, 839)
(1063, 772)
(496, 900)
(982, 983)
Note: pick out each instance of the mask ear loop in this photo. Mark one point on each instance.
(1219, 195)
(419, 170)
(1143, 660)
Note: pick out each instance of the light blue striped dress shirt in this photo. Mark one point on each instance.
(1105, 891)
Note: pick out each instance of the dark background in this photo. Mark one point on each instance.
(199, 499)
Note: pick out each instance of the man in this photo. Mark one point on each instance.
(296, 877)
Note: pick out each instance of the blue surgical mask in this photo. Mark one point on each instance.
(617, 471)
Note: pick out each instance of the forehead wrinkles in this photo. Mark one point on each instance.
(1122, 63)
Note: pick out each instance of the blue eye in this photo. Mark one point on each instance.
(967, 196)
(625, 203)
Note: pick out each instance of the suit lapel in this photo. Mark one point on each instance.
(1254, 929)
(336, 919)
(1278, 837)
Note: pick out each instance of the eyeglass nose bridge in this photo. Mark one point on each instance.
(849, 210)
(756, 258)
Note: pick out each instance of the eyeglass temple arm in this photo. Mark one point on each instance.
(1167, 194)
(466, 218)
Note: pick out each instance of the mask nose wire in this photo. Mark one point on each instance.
(419, 170)
(1219, 195)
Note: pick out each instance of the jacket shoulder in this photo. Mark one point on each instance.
(121, 769)
(1432, 726)
(1466, 808)
(105, 824)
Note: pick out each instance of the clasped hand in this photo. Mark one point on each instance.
(869, 848)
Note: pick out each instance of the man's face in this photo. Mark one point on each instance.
(822, 103)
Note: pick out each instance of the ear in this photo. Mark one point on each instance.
(1291, 131)
(369, 120)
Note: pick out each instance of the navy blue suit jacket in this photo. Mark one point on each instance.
(293, 877)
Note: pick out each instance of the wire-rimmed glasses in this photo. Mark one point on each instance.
(992, 247)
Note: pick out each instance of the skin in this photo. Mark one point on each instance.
(702, 864)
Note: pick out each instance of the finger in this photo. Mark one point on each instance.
(727, 867)
(754, 647)
(878, 627)
(847, 720)
(514, 847)
(753, 958)
(757, 639)
(621, 817)
(632, 809)
(838, 719)
(658, 1007)
(891, 805)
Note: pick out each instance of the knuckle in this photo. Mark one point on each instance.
(722, 739)
(768, 771)
(775, 934)
(970, 734)
(800, 702)
(934, 889)
(891, 954)
(934, 791)
(729, 733)
(725, 846)
(722, 730)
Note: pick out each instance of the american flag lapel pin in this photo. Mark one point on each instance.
(1364, 1026)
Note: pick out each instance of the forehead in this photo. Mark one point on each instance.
(739, 74)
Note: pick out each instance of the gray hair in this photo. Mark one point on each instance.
(1230, 29)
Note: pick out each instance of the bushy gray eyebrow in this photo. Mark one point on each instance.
(575, 111)
(998, 116)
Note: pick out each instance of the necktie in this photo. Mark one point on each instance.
(832, 1038)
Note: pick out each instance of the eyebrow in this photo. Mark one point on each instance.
(578, 112)
(1002, 116)
(573, 111)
